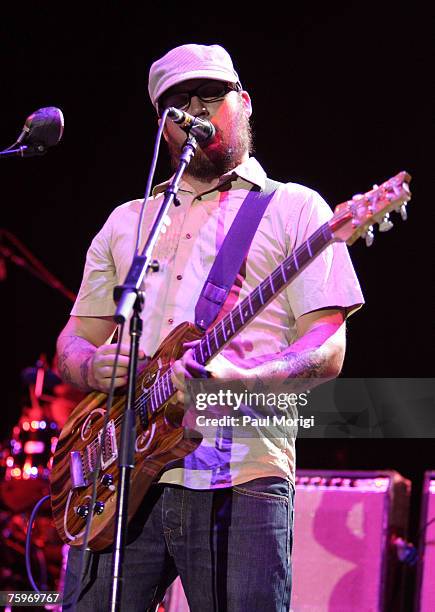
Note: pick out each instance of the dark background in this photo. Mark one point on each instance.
(341, 101)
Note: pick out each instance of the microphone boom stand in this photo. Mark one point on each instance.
(129, 297)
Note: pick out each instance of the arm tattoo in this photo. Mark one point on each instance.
(64, 369)
(304, 366)
(84, 369)
(293, 371)
(79, 349)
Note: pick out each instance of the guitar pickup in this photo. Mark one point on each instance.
(77, 475)
(109, 450)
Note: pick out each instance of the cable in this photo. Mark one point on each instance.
(150, 178)
(96, 474)
(28, 541)
(407, 551)
(423, 529)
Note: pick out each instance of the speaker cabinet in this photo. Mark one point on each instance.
(344, 558)
(425, 592)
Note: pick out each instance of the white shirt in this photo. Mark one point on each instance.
(185, 254)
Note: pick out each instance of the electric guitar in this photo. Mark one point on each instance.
(160, 435)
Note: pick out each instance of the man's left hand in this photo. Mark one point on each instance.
(188, 368)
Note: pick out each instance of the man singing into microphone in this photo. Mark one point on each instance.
(222, 518)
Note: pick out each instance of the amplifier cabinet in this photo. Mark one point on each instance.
(344, 557)
(425, 591)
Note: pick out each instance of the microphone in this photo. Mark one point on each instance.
(42, 129)
(44, 126)
(202, 129)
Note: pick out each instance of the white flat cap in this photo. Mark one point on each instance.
(190, 62)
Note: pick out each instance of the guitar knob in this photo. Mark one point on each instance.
(107, 480)
(403, 212)
(369, 236)
(99, 507)
(82, 510)
(385, 224)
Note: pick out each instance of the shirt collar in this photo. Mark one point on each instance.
(250, 170)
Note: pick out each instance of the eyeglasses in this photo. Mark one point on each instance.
(206, 92)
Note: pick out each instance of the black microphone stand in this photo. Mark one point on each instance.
(129, 297)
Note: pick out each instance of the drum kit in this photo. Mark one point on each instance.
(25, 464)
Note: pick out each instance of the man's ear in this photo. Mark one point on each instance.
(246, 98)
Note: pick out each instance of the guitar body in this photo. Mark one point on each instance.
(162, 441)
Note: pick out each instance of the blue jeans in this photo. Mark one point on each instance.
(231, 548)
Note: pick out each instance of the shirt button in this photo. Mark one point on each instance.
(188, 236)
(170, 321)
(179, 276)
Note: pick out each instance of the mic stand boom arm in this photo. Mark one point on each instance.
(25, 151)
(129, 297)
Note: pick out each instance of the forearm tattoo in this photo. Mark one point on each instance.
(84, 369)
(305, 368)
(308, 364)
(75, 352)
(293, 371)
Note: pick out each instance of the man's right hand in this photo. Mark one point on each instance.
(85, 359)
(101, 366)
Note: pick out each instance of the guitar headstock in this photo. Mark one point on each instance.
(356, 217)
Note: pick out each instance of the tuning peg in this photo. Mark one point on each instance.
(369, 236)
(403, 212)
(385, 224)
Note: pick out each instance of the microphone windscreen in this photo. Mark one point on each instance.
(45, 126)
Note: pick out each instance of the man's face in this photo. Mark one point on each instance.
(232, 142)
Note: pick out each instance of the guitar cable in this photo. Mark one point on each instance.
(95, 477)
(28, 541)
(84, 549)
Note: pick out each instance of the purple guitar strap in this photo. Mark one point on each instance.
(232, 253)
